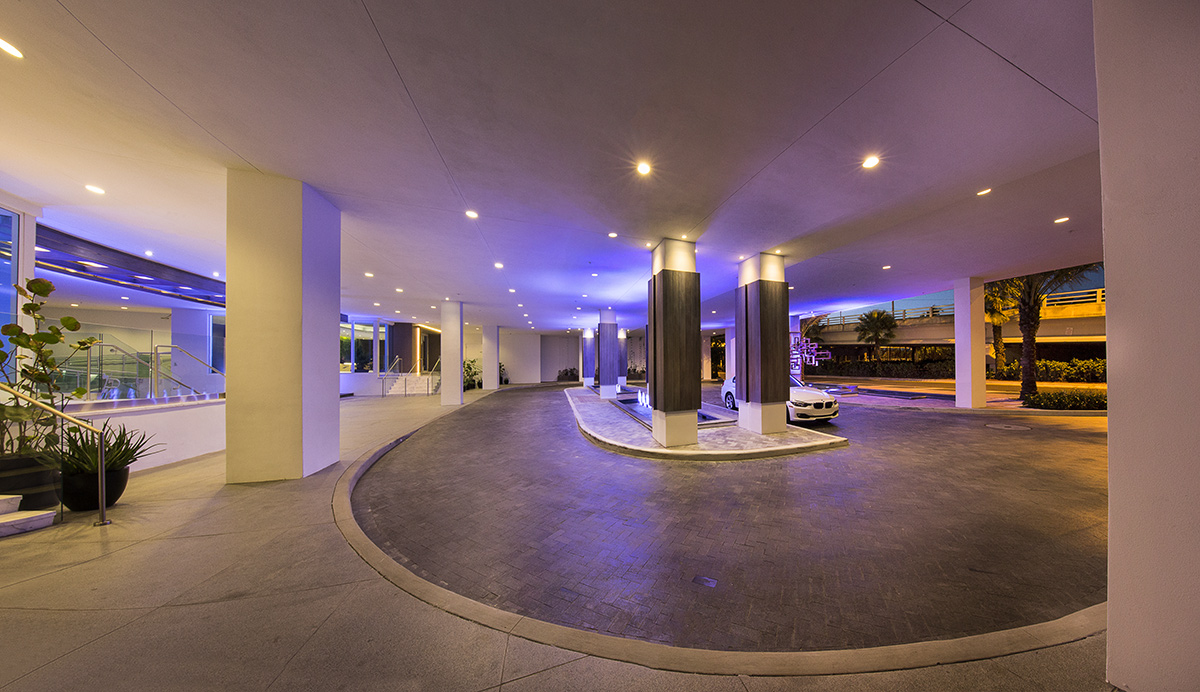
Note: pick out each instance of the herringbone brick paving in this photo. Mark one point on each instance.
(928, 526)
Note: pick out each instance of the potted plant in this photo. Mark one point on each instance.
(79, 459)
(29, 434)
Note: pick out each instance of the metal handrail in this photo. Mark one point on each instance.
(103, 521)
(1084, 297)
(189, 354)
(154, 370)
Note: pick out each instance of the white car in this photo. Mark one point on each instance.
(804, 403)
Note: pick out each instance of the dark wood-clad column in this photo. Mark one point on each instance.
(608, 353)
(673, 343)
(761, 319)
(588, 374)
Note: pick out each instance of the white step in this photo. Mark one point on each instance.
(9, 503)
(21, 522)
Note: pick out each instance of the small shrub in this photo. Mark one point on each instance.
(568, 375)
(635, 374)
(1093, 370)
(1069, 400)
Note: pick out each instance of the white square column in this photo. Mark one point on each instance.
(491, 356)
(452, 353)
(970, 345)
(283, 267)
(1147, 59)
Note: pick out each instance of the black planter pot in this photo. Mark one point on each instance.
(35, 483)
(80, 494)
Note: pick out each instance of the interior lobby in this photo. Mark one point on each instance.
(516, 177)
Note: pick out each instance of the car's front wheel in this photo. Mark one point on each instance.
(729, 402)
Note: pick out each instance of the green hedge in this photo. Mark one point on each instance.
(1093, 370)
(931, 370)
(1069, 400)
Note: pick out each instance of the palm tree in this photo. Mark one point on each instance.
(994, 305)
(1028, 292)
(877, 327)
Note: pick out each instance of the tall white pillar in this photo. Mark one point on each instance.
(1147, 59)
(283, 255)
(452, 353)
(730, 352)
(706, 357)
(491, 356)
(375, 348)
(970, 345)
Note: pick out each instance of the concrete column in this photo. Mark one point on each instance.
(608, 352)
(452, 353)
(1147, 59)
(623, 358)
(375, 366)
(283, 255)
(491, 356)
(706, 357)
(970, 345)
(762, 327)
(25, 214)
(673, 343)
(587, 373)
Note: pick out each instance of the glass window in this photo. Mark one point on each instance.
(364, 344)
(216, 342)
(382, 354)
(8, 236)
(347, 357)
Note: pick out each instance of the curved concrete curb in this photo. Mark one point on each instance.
(981, 411)
(1073, 627)
(700, 454)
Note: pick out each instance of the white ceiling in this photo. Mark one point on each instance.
(755, 116)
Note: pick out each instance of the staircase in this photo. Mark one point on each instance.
(411, 384)
(14, 521)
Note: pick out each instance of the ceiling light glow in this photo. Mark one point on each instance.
(887, 266)
(369, 275)
(93, 188)
(643, 168)
(871, 162)
(612, 235)
(981, 193)
(93, 264)
(399, 290)
(10, 49)
(1063, 219)
(499, 265)
(471, 214)
(512, 290)
(149, 253)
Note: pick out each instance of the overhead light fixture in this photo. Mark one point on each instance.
(397, 312)
(714, 312)
(446, 298)
(93, 188)
(124, 308)
(530, 322)
(647, 244)
(585, 295)
(399, 290)
(871, 162)
(216, 274)
(981, 193)
(472, 214)
(684, 236)
(41, 249)
(143, 278)
(778, 251)
(595, 274)
(612, 235)
(10, 49)
(74, 305)
(791, 288)
(520, 305)
(574, 317)
(741, 257)
(887, 266)
(499, 265)
(512, 290)
(643, 168)
(93, 264)
(525, 315)
(184, 288)
(431, 307)
(1063, 219)
(578, 308)
(149, 253)
(377, 305)
(124, 297)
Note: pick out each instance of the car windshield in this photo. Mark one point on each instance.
(795, 381)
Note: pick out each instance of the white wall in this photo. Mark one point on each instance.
(137, 329)
(559, 352)
(186, 430)
(472, 343)
(521, 354)
(1147, 59)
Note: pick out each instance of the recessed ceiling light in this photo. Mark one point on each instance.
(887, 266)
(778, 251)
(1063, 219)
(143, 278)
(414, 316)
(10, 49)
(184, 288)
(647, 244)
(124, 297)
(741, 257)
(93, 264)
(93, 188)
(574, 317)
(525, 315)
(595, 274)
(368, 275)
(612, 235)
(643, 168)
(124, 308)
(684, 236)
(41, 249)
(530, 321)
(871, 162)
(74, 305)
(399, 290)
(472, 214)
(512, 290)
(520, 305)
(714, 312)
(585, 295)
(791, 288)
(149, 253)
(217, 274)
(432, 307)
(446, 298)
(377, 305)
(981, 193)
(499, 265)
(578, 308)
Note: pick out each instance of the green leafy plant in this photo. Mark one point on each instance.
(876, 327)
(568, 375)
(1068, 400)
(30, 367)
(472, 374)
(79, 454)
